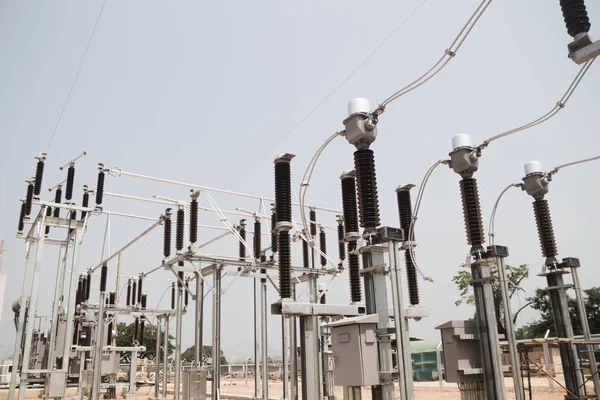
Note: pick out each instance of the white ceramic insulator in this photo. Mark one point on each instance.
(462, 140)
(359, 105)
(533, 166)
(322, 287)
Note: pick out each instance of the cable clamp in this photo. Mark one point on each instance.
(451, 53)
(305, 184)
(560, 104)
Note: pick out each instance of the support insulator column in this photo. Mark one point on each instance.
(273, 230)
(545, 231)
(128, 301)
(21, 225)
(173, 296)
(70, 183)
(341, 241)
(405, 214)
(368, 199)
(57, 200)
(241, 246)
(350, 209)
(472, 214)
(576, 17)
(167, 234)
(100, 187)
(257, 239)
(39, 175)
(85, 202)
(29, 197)
(323, 246)
(283, 204)
(194, 218)
(305, 252)
(180, 233)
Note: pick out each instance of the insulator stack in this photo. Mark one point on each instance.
(285, 280)
(87, 287)
(313, 223)
(472, 212)
(70, 182)
(28, 198)
(257, 239)
(283, 190)
(368, 199)
(100, 187)
(263, 271)
(112, 297)
(109, 335)
(136, 329)
(405, 214)
(85, 202)
(405, 211)
(323, 299)
(21, 225)
(73, 217)
(349, 204)
(194, 221)
(79, 290)
(128, 293)
(323, 246)
(142, 326)
(341, 243)
(186, 298)
(181, 276)
(39, 175)
(241, 246)
(411, 278)
(545, 229)
(144, 301)
(103, 276)
(354, 273)
(179, 235)
(84, 284)
(139, 289)
(48, 214)
(173, 296)
(576, 16)
(57, 200)
(305, 254)
(273, 232)
(167, 234)
(134, 293)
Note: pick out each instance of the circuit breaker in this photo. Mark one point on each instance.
(355, 351)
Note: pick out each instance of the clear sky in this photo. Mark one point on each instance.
(197, 91)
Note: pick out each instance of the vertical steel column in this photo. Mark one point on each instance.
(199, 320)
(24, 299)
(376, 301)
(133, 374)
(80, 394)
(257, 335)
(178, 333)
(58, 291)
(510, 331)
(403, 355)
(587, 335)
(99, 340)
(34, 292)
(265, 346)
(352, 393)
(165, 357)
(71, 303)
(548, 365)
(293, 329)
(284, 357)
(216, 331)
(157, 358)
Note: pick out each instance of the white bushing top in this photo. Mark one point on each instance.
(359, 105)
(462, 140)
(533, 166)
(322, 287)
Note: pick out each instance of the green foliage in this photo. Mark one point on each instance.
(189, 354)
(515, 276)
(541, 303)
(125, 338)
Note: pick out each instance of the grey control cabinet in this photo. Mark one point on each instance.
(355, 351)
(462, 354)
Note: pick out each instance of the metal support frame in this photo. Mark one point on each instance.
(216, 332)
(165, 372)
(133, 375)
(257, 336)
(293, 355)
(199, 320)
(264, 341)
(178, 333)
(58, 291)
(97, 347)
(157, 361)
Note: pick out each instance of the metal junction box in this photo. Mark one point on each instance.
(462, 355)
(56, 385)
(355, 351)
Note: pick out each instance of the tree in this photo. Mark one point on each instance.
(541, 303)
(514, 275)
(190, 353)
(125, 338)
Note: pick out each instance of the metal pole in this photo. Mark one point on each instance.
(178, 333)
(284, 357)
(71, 303)
(548, 365)
(21, 324)
(98, 345)
(199, 319)
(133, 374)
(165, 357)
(586, 331)
(265, 348)
(32, 305)
(216, 350)
(257, 336)
(510, 331)
(293, 356)
(58, 291)
(157, 358)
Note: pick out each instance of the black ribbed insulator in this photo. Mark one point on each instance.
(323, 299)
(79, 290)
(139, 289)
(134, 293)
(100, 188)
(305, 255)
(70, 182)
(341, 243)
(186, 297)
(194, 221)
(405, 212)
(411, 278)
(28, 199)
(257, 239)
(368, 199)
(136, 328)
(39, 175)
(167, 237)
(85, 202)
(112, 298)
(263, 271)
(181, 276)
(354, 273)
(285, 266)
(21, 225)
(87, 287)
(48, 214)
(283, 191)
(179, 234)
(472, 211)
(313, 223)
(84, 288)
(349, 204)
(144, 301)
(241, 246)
(109, 334)
(576, 16)
(128, 301)
(273, 233)
(103, 276)
(142, 326)
(173, 296)
(57, 200)
(72, 216)
(323, 246)
(545, 229)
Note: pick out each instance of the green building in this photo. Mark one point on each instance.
(424, 355)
